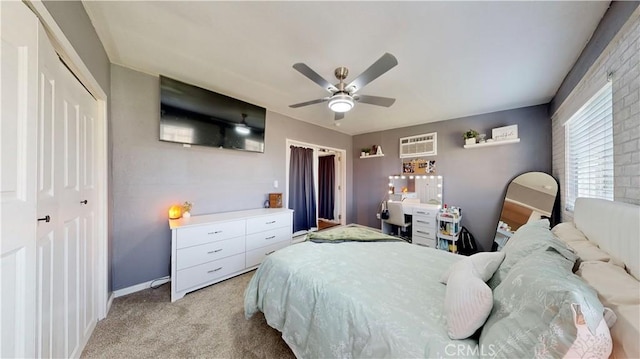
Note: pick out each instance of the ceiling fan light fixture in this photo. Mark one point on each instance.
(242, 129)
(341, 103)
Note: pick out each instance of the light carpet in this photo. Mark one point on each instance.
(207, 323)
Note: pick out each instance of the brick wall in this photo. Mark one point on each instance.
(621, 59)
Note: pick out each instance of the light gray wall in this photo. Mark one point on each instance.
(474, 179)
(150, 175)
(72, 18)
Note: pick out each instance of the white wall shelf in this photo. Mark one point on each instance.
(493, 143)
(369, 156)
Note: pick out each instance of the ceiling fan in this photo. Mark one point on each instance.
(343, 96)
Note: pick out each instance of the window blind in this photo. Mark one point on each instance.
(589, 149)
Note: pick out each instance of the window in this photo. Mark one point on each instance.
(589, 149)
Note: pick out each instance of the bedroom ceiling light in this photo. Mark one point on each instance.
(243, 130)
(341, 103)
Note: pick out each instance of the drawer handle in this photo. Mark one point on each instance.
(423, 232)
(216, 251)
(419, 221)
(272, 237)
(214, 270)
(216, 232)
(272, 222)
(420, 212)
(269, 253)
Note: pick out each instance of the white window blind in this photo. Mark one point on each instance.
(589, 149)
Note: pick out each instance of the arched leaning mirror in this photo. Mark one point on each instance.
(530, 196)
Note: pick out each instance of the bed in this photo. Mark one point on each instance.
(384, 298)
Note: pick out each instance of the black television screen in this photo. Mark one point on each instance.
(196, 116)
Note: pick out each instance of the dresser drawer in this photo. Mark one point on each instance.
(191, 256)
(424, 221)
(426, 232)
(266, 238)
(265, 223)
(256, 256)
(425, 212)
(423, 241)
(210, 271)
(193, 236)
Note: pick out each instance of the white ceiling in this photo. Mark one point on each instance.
(455, 58)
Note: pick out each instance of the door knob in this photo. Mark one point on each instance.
(45, 218)
(83, 202)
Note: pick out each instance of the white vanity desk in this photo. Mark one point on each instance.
(418, 193)
(423, 222)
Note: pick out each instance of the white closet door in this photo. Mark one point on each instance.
(65, 247)
(18, 115)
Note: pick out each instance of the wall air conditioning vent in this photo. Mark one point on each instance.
(420, 145)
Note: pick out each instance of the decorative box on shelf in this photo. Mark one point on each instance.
(499, 136)
(448, 228)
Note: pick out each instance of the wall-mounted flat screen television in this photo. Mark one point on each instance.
(196, 116)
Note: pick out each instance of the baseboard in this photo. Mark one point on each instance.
(139, 287)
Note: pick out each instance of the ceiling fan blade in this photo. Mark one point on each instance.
(313, 76)
(339, 116)
(375, 100)
(309, 102)
(384, 64)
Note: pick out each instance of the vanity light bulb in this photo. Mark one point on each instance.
(439, 177)
(396, 177)
(431, 177)
(425, 177)
(439, 195)
(390, 192)
(390, 177)
(410, 177)
(439, 185)
(403, 177)
(390, 184)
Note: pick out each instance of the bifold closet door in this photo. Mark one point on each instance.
(18, 114)
(65, 272)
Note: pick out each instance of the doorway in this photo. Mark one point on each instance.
(332, 214)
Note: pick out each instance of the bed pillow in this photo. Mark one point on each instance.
(614, 285)
(535, 312)
(484, 264)
(588, 251)
(567, 232)
(467, 302)
(532, 237)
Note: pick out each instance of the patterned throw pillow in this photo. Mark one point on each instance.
(528, 239)
(534, 312)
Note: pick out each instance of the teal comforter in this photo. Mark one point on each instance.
(354, 299)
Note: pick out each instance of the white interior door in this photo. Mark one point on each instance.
(66, 311)
(18, 115)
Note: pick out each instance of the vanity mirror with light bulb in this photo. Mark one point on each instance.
(413, 203)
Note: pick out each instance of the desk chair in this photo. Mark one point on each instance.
(397, 216)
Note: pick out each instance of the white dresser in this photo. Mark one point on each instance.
(211, 248)
(424, 225)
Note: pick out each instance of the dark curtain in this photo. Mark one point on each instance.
(301, 192)
(326, 186)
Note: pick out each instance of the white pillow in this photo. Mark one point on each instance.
(484, 264)
(467, 303)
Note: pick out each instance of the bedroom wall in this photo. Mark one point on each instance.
(621, 57)
(150, 175)
(474, 179)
